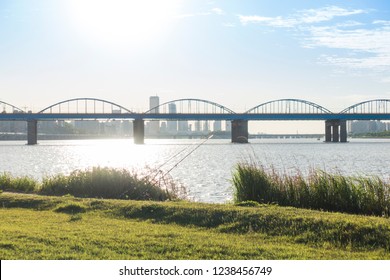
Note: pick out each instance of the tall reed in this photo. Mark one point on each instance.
(318, 190)
(17, 184)
(100, 182)
(112, 183)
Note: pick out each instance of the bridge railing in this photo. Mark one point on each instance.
(375, 106)
(85, 106)
(288, 106)
(190, 106)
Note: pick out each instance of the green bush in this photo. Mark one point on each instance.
(17, 184)
(112, 183)
(100, 182)
(249, 203)
(71, 208)
(318, 190)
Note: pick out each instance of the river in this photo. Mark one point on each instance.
(204, 168)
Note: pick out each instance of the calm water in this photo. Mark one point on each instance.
(206, 172)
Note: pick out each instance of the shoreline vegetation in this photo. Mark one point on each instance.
(106, 213)
(366, 195)
(251, 182)
(383, 134)
(100, 182)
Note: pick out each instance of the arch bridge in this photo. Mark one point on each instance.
(200, 109)
(288, 106)
(85, 106)
(369, 107)
(190, 106)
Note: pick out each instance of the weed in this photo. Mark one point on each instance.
(319, 190)
(100, 182)
(71, 208)
(18, 184)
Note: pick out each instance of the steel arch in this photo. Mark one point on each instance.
(163, 106)
(282, 106)
(85, 99)
(5, 104)
(373, 106)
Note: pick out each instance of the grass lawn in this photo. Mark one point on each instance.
(44, 227)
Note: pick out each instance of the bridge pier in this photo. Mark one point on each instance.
(343, 131)
(32, 132)
(139, 131)
(240, 131)
(336, 131)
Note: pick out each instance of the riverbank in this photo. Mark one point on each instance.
(35, 227)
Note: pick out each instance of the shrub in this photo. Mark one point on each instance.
(71, 208)
(18, 184)
(112, 183)
(249, 203)
(319, 190)
(252, 183)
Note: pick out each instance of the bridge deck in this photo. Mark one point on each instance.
(194, 117)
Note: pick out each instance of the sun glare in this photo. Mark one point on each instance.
(123, 23)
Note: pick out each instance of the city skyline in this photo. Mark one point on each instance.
(235, 53)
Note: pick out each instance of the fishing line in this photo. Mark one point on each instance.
(172, 157)
(193, 150)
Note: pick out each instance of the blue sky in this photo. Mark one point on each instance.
(237, 53)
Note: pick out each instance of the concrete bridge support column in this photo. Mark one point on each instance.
(32, 132)
(335, 131)
(328, 131)
(240, 131)
(343, 131)
(139, 131)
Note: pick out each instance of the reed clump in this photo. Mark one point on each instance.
(18, 184)
(100, 182)
(318, 190)
(113, 183)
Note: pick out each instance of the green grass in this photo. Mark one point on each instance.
(47, 227)
(319, 190)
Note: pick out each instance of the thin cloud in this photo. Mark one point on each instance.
(213, 11)
(217, 11)
(268, 21)
(369, 48)
(304, 17)
(367, 45)
(326, 14)
(228, 24)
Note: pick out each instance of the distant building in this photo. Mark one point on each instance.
(13, 126)
(183, 126)
(88, 126)
(206, 126)
(228, 126)
(154, 126)
(127, 128)
(154, 102)
(197, 125)
(359, 127)
(217, 126)
(163, 127)
(172, 125)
